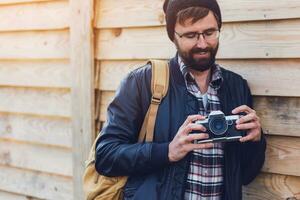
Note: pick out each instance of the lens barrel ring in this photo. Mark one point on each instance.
(218, 125)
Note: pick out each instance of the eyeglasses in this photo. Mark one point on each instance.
(208, 35)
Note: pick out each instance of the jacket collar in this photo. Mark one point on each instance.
(176, 74)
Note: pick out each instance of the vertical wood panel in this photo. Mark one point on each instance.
(82, 61)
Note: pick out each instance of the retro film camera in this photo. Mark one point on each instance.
(220, 128)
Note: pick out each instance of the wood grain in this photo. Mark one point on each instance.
(36, 130)
(14, 196)
(238, 40)
(265, 77)
(273, 187)
(34, 16)
(82, 64)
(282, 155)
(35, 101)
(35, 73)
(36, 157)
(279, 116)
(34, 45)
(136, 13)
(12, 2)
(35, 184)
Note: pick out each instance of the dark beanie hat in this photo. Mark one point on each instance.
(172, 7)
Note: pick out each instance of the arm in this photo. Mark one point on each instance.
(254, 144)
(117, 150)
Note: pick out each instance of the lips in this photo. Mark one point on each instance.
(201, 54)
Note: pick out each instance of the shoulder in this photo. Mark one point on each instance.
(233, 79)
(230, 75)
(236, 87)
(140, 75)
(138, 79)
(144, 70)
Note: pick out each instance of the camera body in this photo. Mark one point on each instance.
(220, 128)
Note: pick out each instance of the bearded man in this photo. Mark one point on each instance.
(176, 165)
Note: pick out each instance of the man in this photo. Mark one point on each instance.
(173, 166)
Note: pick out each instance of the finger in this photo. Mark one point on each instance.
(242, 108)
(196, 136)
(191, 147)
(192, 118)
(248, 138)
(247, 118)
(192, 127)
(247, 126)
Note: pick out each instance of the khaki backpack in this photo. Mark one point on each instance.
(99, 187)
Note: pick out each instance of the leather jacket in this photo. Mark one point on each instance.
(151, 175)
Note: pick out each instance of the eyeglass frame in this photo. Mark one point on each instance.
(183, 35)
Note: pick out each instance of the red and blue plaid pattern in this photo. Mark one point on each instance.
(205, 176)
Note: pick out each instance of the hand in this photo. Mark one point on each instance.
(250, 122)
(182, 143)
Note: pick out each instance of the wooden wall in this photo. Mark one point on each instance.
(260, 40)
(35, 100)
(46, 80)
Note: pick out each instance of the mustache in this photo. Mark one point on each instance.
(200, 50)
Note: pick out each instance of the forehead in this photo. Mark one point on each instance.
(205, 23)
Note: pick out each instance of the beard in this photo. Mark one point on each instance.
(198, 64)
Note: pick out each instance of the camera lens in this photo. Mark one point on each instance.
(218, 126)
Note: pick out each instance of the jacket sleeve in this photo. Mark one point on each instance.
(117, 151)
(253, 153)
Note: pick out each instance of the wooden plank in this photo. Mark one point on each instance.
(13, 196)
(34, 45)
(37, 130)
(112, 72)
(106, 98)
(97, 74)
(127, 13)
(36, 157)
(36, 184)
(270, 39)
(11, 2)
(282, 155)
(35, 101)
(263, 83)
(273, 186)
(279, 116)
(82, 62)
(40, 73)
(50, 15)
(269, 77)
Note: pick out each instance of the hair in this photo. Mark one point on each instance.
(194, 13)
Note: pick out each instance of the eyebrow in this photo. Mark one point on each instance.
(209, 29)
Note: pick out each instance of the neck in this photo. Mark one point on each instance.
(202, 79)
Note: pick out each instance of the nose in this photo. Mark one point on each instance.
(201, 42)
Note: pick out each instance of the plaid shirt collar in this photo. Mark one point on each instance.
(216, 79)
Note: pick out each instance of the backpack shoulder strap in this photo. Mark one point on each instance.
(159, 89)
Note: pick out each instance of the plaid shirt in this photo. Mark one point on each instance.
(205, 176)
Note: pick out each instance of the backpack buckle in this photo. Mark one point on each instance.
(155, 100)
